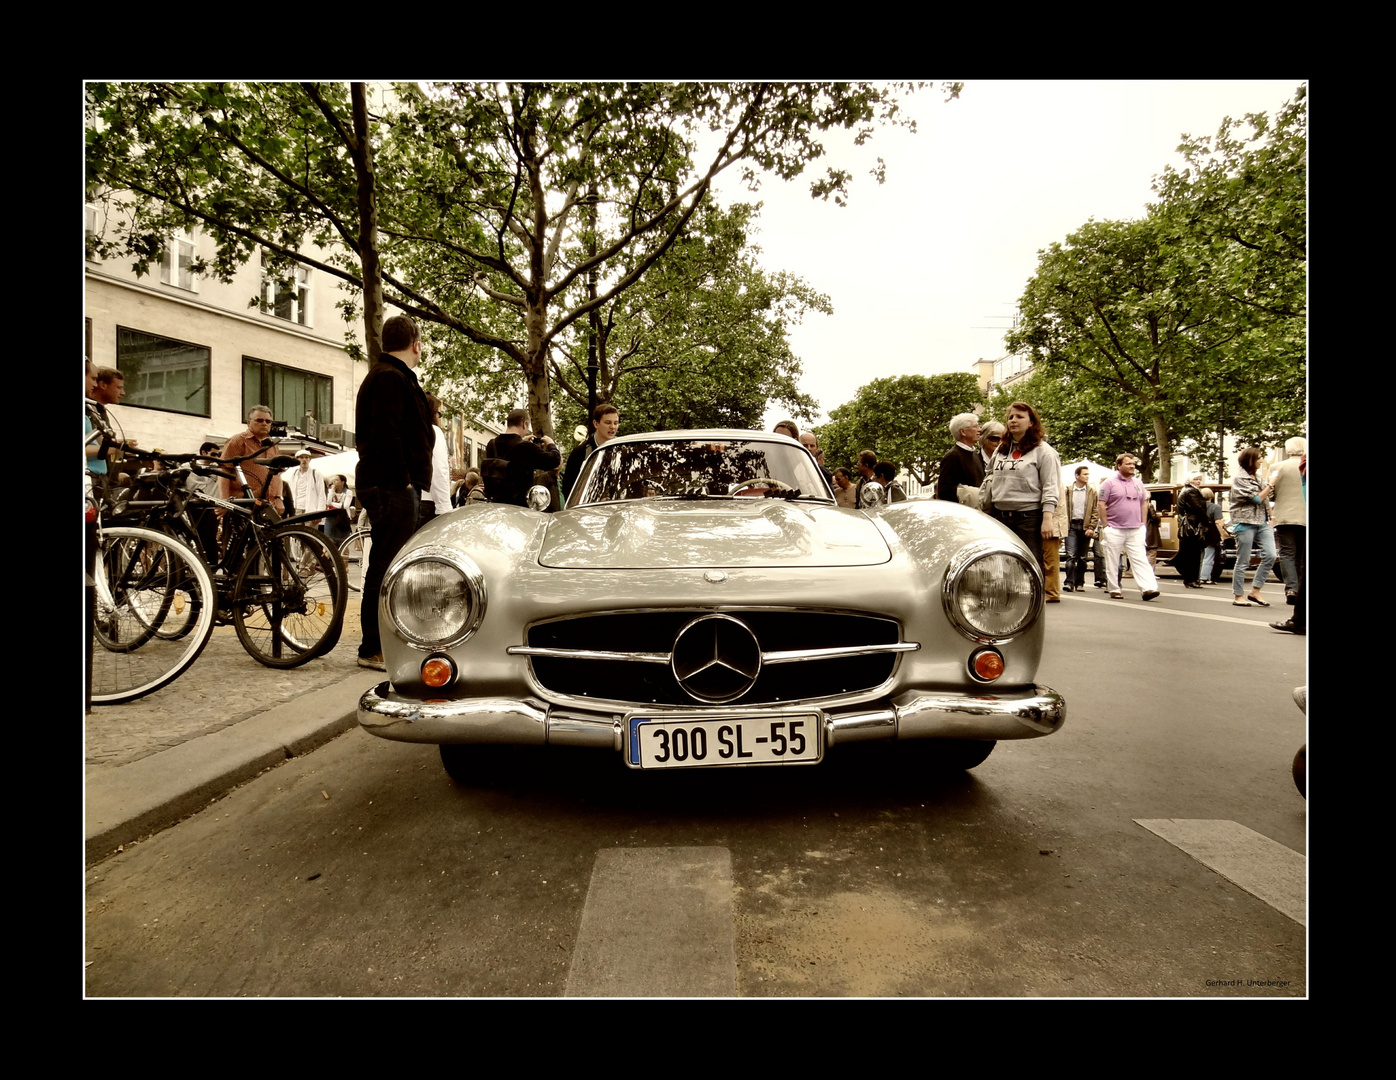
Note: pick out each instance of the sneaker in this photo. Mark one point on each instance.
(374, 662)
(1290, 598)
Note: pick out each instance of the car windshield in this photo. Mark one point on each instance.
(699, 469)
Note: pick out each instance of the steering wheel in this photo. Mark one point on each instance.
(742, 488)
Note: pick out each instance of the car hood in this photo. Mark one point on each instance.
(663, 534)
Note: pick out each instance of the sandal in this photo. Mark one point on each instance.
(1257, 601)
(1239, 603)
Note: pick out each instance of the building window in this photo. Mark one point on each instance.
(176, 263)
(286, 293)
(289, 393)
(162, 373)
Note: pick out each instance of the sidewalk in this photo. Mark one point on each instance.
(155, 760)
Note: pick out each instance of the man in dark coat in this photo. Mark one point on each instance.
(963, 464)
(525, 455)
(393, 435)
(605, 425)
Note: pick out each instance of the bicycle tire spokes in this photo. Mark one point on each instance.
(290, 598)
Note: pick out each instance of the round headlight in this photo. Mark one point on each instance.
(992, 594)
(435, 597)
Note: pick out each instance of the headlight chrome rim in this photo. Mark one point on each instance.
(474, 588)
(963, 561)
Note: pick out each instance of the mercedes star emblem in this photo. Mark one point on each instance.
(716, 658)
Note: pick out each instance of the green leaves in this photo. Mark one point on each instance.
(1193, 316)
(905, 419)
(485, 208)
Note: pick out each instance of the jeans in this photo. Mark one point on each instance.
(1262, 535)
(1211, 557)
(394, 514)
(1290, 541)
(1077, 545)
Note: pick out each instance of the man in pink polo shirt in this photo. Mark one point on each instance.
(1123, 506)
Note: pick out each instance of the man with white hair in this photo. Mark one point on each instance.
(963, 464)
(1290, 518)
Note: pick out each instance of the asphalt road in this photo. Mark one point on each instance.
(361, 870)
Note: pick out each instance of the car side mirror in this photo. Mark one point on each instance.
(873, 496)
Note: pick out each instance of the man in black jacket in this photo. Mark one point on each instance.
(963, 464)
(393, 435)
(605, 425)
(525, 455)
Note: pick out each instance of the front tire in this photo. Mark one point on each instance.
(290, 598)
(479, 766)
(950, 755)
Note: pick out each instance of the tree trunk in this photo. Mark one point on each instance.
(1165, 450)
(362, 153)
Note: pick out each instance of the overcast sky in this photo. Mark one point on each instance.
(925, 270)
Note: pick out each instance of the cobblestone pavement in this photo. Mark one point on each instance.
(224, 686)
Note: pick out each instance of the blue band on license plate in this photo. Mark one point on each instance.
(692, 742)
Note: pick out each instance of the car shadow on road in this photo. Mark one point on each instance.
(860, 776)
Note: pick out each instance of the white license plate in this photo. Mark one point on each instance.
(687, 743)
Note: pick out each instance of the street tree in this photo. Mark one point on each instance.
(904, 419)
(284, 170)
(1196, 311)
(1243, 193)
(496, 210)
(1083, 420)
(703, 339)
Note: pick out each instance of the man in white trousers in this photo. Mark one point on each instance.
(1123, 508)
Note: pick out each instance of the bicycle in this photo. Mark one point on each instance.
(152, 604)
(354, 552)
(281, 584)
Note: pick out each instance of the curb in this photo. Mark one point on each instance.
(130, 801)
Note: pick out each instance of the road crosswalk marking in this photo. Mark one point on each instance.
(1263, 867)
(657, 922)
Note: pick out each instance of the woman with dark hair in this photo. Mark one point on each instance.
(1250, 524)
(1024, 485)
(437, 499)
(340, 499)
(1191, 509)
(886, 474)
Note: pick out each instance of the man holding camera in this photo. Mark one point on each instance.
(524, 454)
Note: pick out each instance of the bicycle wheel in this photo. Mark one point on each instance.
(147, 583)
(290, 597)
(354, 552)
(174, 611)
(135, 582)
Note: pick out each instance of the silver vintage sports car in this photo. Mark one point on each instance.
(701, 601)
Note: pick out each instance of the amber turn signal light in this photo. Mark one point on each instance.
(987, 664)
(437, 671)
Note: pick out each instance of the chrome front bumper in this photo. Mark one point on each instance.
(531, 721)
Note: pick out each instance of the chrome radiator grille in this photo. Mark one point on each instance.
(731, 657)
